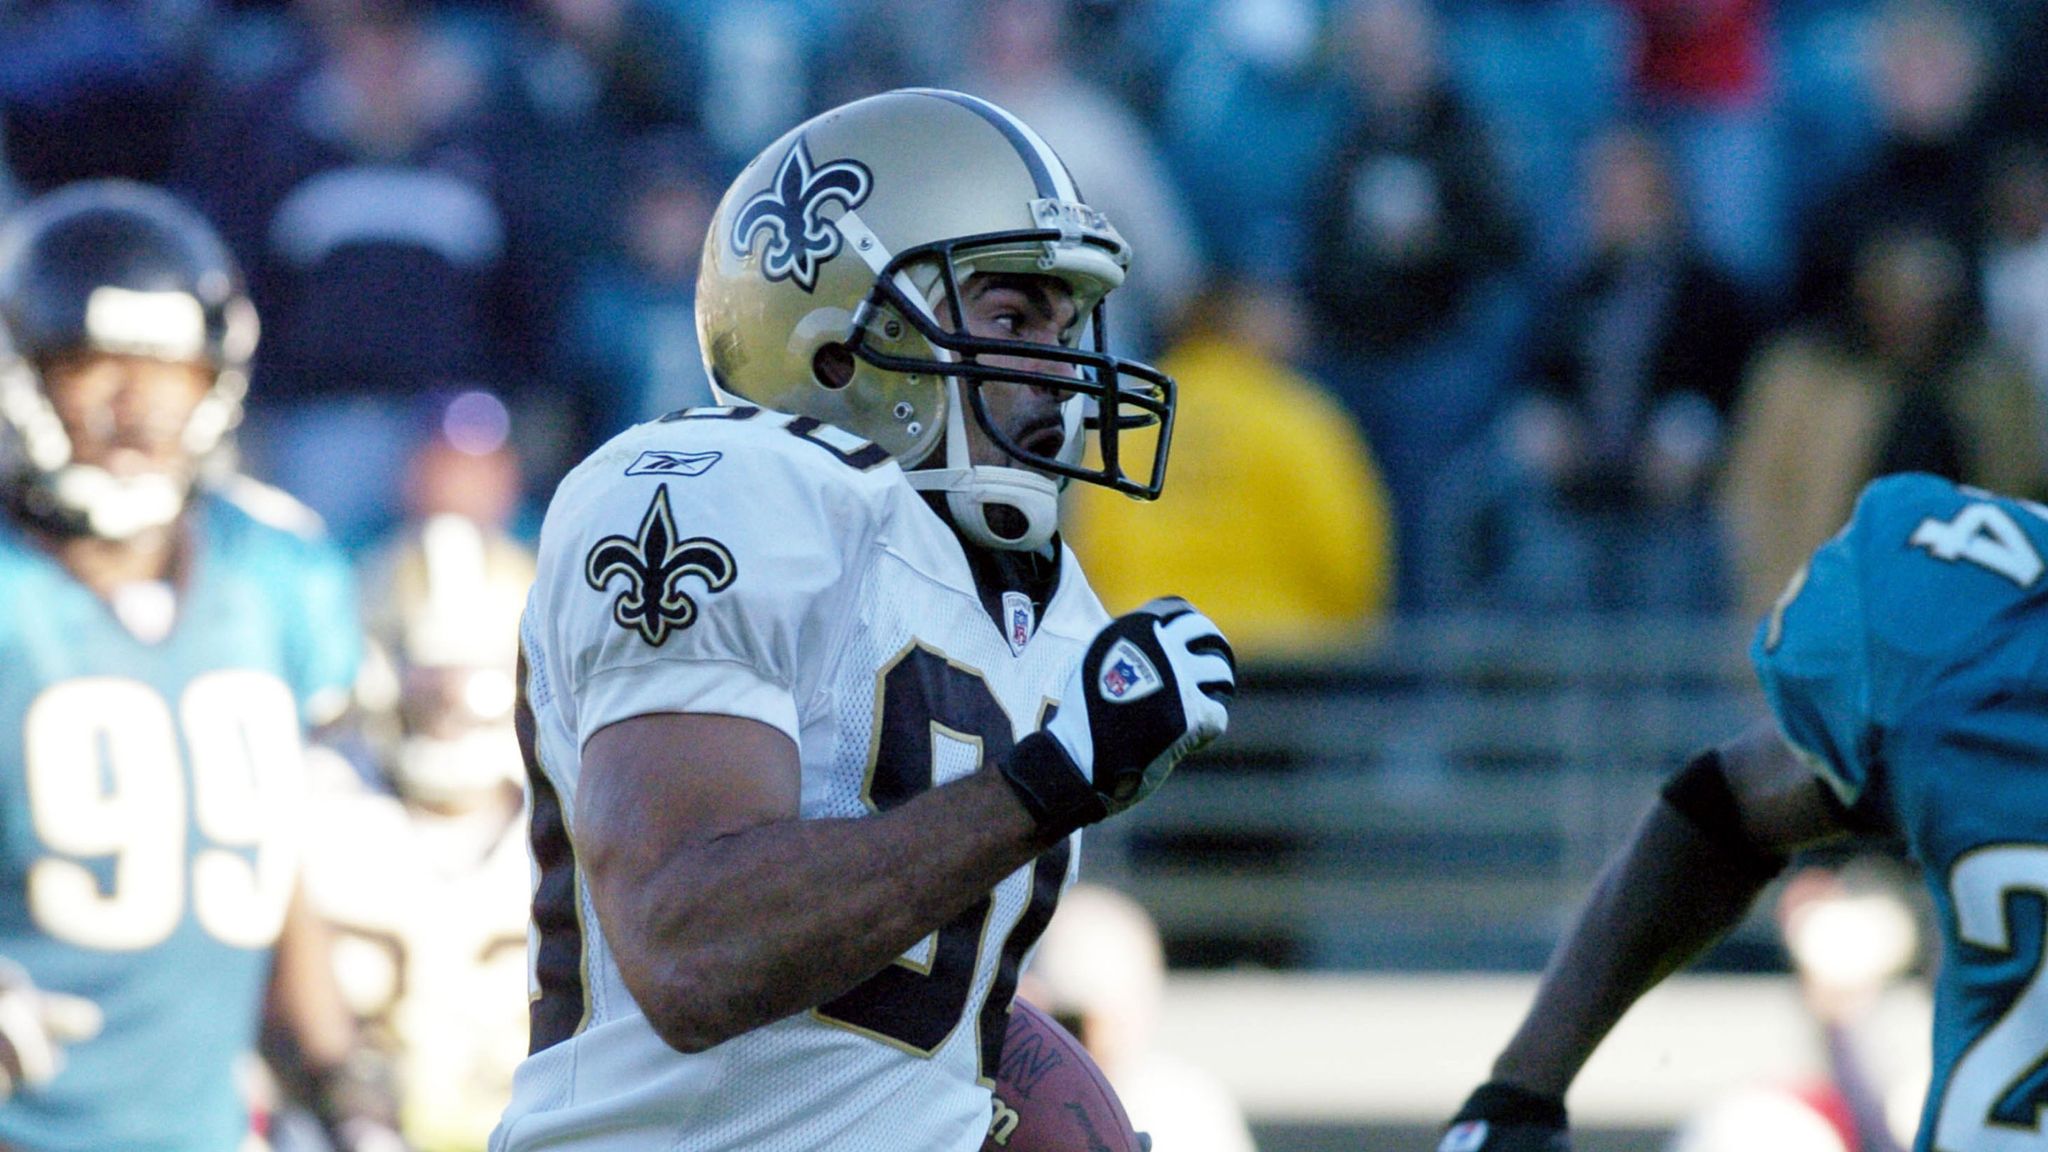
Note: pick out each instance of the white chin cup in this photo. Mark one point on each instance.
(1034, 498)
(975, 490)
(117, 507)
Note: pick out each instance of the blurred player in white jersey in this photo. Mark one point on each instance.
(427, 883)
(814, 698)
(1101, 971)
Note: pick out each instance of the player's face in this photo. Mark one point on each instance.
(126, 414)
(1038, 309)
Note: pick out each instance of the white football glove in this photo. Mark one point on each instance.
(35, 1025)
(1152, 687)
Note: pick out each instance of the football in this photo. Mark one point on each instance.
(1050, 1096)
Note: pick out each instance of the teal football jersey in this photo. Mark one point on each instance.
(149, 813)
(1909, 665)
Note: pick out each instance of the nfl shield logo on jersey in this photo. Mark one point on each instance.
(1127, 675)
(1019, 619)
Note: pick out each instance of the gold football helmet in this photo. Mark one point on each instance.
(823, 275)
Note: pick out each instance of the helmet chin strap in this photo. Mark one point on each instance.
(113, 507)
(1016, 499)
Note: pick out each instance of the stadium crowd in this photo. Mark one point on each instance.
(1562, 294)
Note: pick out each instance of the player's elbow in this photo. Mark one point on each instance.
(691, 1008)
(688, 1032)
(683, 1023)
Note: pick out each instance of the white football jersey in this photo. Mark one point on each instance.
(429, 919)
(743, 562)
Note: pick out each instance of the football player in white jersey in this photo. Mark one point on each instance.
(430, 927)
(814, 699)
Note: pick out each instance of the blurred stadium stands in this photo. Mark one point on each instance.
(1435, 800)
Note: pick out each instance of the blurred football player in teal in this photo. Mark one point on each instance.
(167, 631)
(1907, 665)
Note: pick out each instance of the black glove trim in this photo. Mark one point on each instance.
(1051, 786)
(1500, 1102)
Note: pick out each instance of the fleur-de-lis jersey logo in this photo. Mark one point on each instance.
(654, 564)
(787, 210)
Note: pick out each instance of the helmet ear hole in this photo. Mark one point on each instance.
(1005, 522)
(833, 365)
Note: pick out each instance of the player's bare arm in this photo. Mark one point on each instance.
(303, 999)
(1715, 837)
(727, 912)
(311, 1038)
(731, 912)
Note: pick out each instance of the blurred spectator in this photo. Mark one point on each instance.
(2015, 254)
(1630, 381)
(96, 88)
(2017, 104)
(1409, 215)
(1274, 518)
(430, 927)
(632, 330)
(1829, 122)
(1545, 78)
(1410, 240)
(1928, 75)
(430, 607)
(1022, 63)
(1247, 118)
(1100, 970)
(883, 44)
(1702, 76)
(1899, 379)
(577, 78)
(358, 184)
(626, 64)
(756, 77)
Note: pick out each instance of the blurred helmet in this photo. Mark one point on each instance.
(120, 268)
(833, 255)
(442, 606)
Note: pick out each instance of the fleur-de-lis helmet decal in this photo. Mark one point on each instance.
(654, 564)
(799, 240)
(833, 285)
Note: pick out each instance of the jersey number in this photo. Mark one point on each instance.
(1985, 535)
(108, 798)
(917, 1004)
(1984, 1080)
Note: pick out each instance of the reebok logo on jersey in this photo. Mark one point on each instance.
(1127, 675)
(654, 563)
(656, 462)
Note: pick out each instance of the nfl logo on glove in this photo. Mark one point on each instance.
(1127, 675)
